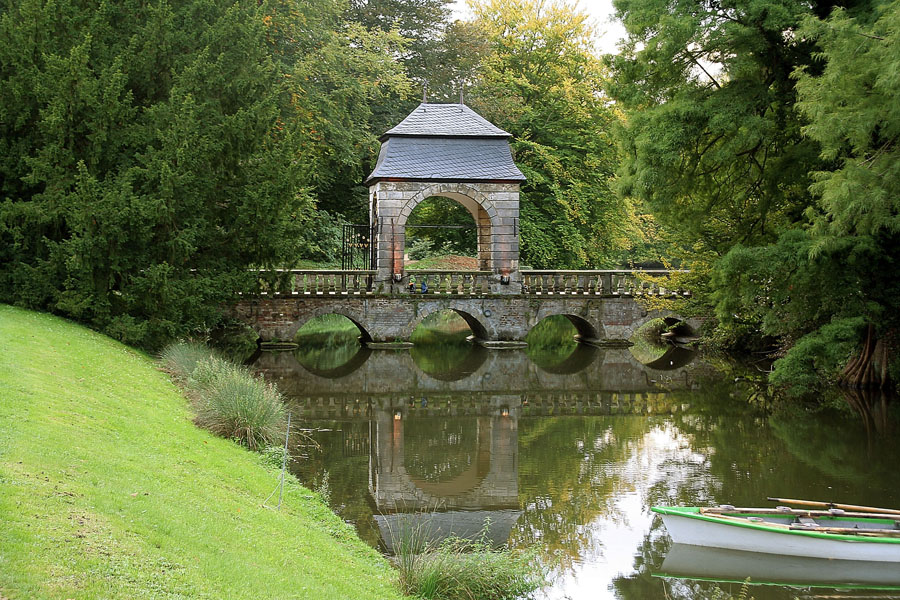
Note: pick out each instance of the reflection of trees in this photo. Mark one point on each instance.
(573, 471)
(328, 355)
(448, 362)
(837, 444)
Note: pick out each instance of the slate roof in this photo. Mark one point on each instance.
(445, 142)
(445, 120)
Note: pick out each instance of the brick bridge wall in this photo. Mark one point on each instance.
(492, 318)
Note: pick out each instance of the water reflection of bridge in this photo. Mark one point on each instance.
(587, 370)
(468, 419)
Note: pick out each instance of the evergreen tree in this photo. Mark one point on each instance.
(764, 135)
(145, 163)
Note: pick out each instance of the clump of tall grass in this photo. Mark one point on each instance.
(229, 400)
(457, 569)
(180, 358)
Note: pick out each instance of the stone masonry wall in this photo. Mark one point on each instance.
(495, 318)
(494, 207)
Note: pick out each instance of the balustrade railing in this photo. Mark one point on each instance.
(301, 282)
(600, 283)
(460, 283)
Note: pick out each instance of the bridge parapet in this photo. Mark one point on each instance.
(314, 282)
(438, 282)
(600, 283)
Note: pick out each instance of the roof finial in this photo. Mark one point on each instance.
(425, 92)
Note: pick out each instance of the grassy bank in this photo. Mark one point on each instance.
(107, 489)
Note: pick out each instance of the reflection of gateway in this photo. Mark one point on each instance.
(718, 564)
(489, 526)
(470, 490)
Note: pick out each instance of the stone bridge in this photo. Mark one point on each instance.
(605, 307)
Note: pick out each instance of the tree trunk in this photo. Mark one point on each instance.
(870, 367)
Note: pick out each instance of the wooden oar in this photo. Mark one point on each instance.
(797, 512)
(827, 505)
(891, 533)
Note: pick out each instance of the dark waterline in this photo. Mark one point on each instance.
(567, 450)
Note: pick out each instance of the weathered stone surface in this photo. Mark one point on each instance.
(492, 318)
(495, 208)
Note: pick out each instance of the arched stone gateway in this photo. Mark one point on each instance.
(447, 150)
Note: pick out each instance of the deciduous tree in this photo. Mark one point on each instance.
(542, 82)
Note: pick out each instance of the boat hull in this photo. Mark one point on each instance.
(720, 564)
(697, 530)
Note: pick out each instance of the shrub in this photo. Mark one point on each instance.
(237, 405)
(230, 401)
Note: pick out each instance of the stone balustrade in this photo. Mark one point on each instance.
(303, 282)
(464, 283)
(608, 283)
(600, 283)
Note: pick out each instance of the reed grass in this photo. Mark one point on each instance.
(457, 569)
(228, 399)
(180, 358)
(237, 405)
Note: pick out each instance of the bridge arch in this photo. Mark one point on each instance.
(336, 309)
(465, 194)
(668, 316)
(479, 329)
(588, 328)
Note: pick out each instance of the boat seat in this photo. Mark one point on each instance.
(807, 522)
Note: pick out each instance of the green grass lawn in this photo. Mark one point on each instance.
(107, 489)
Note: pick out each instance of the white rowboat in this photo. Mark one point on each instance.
(832, 534)
(735, 566)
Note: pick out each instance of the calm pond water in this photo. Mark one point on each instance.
(566, 451)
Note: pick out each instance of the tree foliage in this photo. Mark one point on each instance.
(151, 152)
(765, 135)
(542, 82)
(713, 142)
